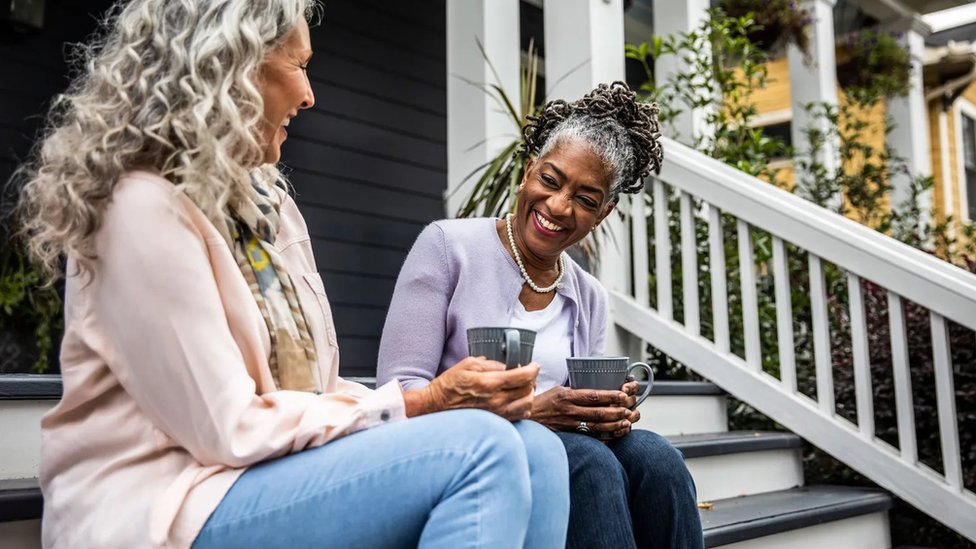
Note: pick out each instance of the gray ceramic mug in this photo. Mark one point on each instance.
(510, 346)
(607, 373)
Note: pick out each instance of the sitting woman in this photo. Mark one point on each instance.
(634, 491)
(202, 405)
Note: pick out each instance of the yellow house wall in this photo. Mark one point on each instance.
(935, 140)
(954, 179)
(776, 96)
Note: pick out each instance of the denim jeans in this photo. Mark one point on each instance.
(463, 478)
(632, 492)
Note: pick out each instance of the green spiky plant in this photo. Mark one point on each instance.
(494, 191)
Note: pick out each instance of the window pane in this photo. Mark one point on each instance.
(969, 140)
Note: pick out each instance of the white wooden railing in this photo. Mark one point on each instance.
(949, 293)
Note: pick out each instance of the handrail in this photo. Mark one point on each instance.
(901, 272)
(911, 273)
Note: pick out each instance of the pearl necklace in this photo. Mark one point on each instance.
(518, 260)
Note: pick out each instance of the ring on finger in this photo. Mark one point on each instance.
(582, 427)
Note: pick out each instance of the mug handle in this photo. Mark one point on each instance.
(513, 344)
(650, 380)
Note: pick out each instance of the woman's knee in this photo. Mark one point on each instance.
(477, 429)
(650, 453)
(542, 447)
(591, 462)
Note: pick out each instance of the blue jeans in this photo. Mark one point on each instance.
(632, 492)
(464, 478)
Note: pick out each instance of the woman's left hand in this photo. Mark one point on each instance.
(631, 389)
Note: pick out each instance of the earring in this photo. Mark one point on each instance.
(594, 227)
(521, 187)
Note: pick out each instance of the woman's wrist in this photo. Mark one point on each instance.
(417, 402)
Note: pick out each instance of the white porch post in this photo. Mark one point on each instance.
(910, 137)
(477, 127)
(816, 83)
(672, 18)
(585, 47)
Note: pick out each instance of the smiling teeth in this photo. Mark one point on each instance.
(545, 223)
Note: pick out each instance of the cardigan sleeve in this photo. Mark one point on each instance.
(156, 315)
(415, 331)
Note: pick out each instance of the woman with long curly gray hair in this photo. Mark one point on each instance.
(202, 405)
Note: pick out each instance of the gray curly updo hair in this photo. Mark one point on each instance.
(165, 85)
(622, 130)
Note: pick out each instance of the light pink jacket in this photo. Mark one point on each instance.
(168, 397)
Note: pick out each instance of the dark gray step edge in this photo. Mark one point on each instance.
(661, 388)
(33, 387)
(767, 526)
(30, 387)
(736, 442)
(20, 499)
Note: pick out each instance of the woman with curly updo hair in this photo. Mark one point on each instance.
(202, 405)
(634, 490)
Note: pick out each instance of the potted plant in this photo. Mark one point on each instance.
(872, 65)
(776, 23)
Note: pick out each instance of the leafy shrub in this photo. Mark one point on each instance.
(776, 22)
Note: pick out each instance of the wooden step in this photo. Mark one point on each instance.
(684, 407)
(739, 463)
(20, 499)
(800, 518)
(23, 400)
(20, 513)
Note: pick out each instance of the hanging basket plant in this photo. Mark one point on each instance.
(776, 23)
(872, 65)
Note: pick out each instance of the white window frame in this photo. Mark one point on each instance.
(963, 106)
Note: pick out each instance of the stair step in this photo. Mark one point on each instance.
(30, 387)
(20, 499)
(741, 463)
(23, 400)
(733, 442)
(799, 517)
(680, 407)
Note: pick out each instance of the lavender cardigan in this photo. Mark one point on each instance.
(459, 275)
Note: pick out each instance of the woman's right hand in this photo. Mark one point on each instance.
(478, 383)
(563, 409)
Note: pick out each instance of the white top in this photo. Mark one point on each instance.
(553, 327)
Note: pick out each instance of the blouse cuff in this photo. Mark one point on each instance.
(384, 405)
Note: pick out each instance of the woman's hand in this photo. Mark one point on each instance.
(562, 409)
(477, 383)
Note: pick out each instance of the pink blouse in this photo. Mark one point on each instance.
(168, 397)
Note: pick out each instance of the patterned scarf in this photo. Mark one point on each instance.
(252, 227)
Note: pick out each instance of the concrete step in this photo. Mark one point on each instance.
(800, 518)
(20, 513)
(739, 463)
(684, 407)
(23, 400)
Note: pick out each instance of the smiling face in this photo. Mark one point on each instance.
(285, 88)
(566, 195)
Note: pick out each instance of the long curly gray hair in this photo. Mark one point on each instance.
(165, 85)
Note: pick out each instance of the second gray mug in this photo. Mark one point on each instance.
(606, 372)
(510, 346)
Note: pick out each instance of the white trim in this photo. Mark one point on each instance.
(770, 118)
(947, 181)
(478, 128)
(963, 106)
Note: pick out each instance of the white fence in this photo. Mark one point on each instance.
(709, 192)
